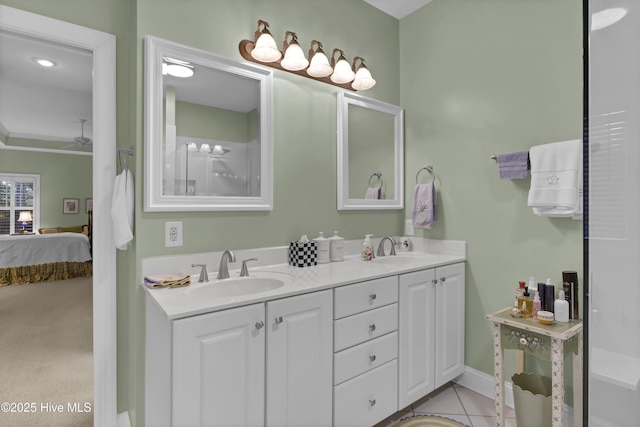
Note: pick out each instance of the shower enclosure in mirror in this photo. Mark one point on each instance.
(370, 154)
(208, 131)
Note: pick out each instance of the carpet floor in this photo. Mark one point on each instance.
(46, 354)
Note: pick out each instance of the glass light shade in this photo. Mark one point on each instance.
(205, 148)
(342, 73)
(294, 58)
(266, 49)
(217, 150)
(319, 66)
(192, 146)
(363, 80)
(25, 216)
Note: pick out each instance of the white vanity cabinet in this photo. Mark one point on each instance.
(366, 351)
(299, 365)
(218, 368)
(264, 364)
(431, 324)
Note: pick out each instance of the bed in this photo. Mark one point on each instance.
(44, 257)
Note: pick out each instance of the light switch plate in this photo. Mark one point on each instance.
(173, 234)
(408, 227)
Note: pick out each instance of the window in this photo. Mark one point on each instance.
(19, 193)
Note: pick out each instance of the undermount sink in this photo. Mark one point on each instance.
(236, 286)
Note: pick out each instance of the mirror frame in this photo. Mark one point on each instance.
(154, 200)
(103, 47)
(344, 202)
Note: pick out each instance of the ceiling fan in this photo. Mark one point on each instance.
(80, 140)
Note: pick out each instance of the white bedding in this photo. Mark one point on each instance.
(16, 251)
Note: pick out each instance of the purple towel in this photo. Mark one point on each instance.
(514, 165)
(373, 193)
(424, 205)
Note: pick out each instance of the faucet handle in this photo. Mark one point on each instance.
(204, 277)
(244, 272)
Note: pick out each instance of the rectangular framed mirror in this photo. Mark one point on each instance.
(208, 131)
(370, 154)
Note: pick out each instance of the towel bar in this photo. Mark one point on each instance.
(379, 175)
(429, 169)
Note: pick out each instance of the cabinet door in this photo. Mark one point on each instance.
(416, 336)
(300, 360)
(218, 368)
(449, 344)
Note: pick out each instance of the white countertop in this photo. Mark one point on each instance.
(183, 302)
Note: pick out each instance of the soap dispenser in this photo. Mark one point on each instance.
(367, 248)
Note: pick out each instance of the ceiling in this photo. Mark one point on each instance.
(48, 104)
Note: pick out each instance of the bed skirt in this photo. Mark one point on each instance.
(44, 272)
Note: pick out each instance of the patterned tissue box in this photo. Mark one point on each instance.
(303, 254)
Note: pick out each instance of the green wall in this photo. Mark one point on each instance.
(61, 176)
(480, 78)
(201, 121)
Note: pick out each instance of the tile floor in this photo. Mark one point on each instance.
(458, 403)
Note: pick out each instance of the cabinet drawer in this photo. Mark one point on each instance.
(356, 360)
(365, 326)
(364, 296)
(368, 398)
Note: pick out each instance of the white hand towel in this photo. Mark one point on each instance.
(424, 205)
(373, 193)
(555, 178)
(122, 209)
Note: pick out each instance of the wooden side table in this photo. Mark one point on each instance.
(549, 342)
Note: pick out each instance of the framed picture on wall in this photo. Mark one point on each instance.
(70, 206)
(89, 205)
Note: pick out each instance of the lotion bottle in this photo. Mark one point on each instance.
(367, 248)
(536, 305)
(561, 308)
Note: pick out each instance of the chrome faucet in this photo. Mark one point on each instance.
(381, 246)
(223, 269)
(244, 272)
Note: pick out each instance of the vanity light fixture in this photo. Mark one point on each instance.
(177, 68)
(205, 148)
(263, 50)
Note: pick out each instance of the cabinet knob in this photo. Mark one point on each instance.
(372, 327)
(259, 324)
(372, 402)
(524, 341)
(434, 282)
(279, 320)
(373, 296)
(442, 279)
(372, 358)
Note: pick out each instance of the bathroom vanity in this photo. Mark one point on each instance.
(344, 343)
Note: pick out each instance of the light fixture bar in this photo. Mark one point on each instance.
(344, 79)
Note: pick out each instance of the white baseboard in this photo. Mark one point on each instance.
(484, 384)
(123, 419)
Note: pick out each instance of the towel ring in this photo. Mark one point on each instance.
(379, 175)
(429, 169)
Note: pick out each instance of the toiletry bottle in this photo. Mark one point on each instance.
(515, 311)
(532, 286)
(520, 290)
(336, 247)
(524, 311)
(536, 305)
(322, 243)
(561, 308)
(367, 248)
(526, 301)
(548, 296)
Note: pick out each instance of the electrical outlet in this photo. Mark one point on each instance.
(173, 233)
(408, 227)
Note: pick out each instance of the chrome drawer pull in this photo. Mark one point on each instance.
(372, 358)
(373, 296)
(372, 328)
(372, 402)
(259, 324)
(279, 319)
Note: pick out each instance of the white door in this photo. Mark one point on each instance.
(300, 360)
(416, 336)
(218, 368)
(449, 309)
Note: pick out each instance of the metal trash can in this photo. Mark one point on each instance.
(532, 398)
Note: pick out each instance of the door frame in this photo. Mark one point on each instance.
(103, 47)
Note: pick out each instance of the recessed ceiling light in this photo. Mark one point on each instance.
(47, 63)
